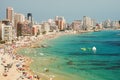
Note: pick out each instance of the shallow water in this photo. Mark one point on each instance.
(71, 57)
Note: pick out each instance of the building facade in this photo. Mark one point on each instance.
(115, 24)
(10, 14)
(88, 23)
(0, 30)
(60, 22)
(7, 32)
(45, 27)
(77, 25)
(36, 29)
(18, 17)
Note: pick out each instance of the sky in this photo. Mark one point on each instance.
(43, 10)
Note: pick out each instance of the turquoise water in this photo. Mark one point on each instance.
(65, 56)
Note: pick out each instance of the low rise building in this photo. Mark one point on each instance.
(77, 25)
(36, 29)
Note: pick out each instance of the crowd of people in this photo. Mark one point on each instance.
(14, 66)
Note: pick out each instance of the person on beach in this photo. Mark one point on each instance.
(23, 75)
(5, 74)
(37, 77)
(9, 66)
(30, 77)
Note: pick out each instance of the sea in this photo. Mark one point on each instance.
(71, 57)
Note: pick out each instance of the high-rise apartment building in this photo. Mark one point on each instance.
(53, 26)
(88, 23)
(60, 22)
(29, 17)
(18, 18)
(10, 14)
(0, 30)
(6, 29)
(45, 27)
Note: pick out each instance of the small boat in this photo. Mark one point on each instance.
(94, 49)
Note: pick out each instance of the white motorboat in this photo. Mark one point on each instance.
(94, 49)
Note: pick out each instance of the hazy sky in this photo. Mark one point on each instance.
(70, 9)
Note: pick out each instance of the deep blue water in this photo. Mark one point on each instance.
(69, 57)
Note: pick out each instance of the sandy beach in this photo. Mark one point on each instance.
(16, 67)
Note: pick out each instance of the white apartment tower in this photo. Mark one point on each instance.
(18, 18)
(7, 32)
(88, 23)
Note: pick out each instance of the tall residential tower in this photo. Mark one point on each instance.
(10, 14)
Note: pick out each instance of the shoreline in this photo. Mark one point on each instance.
(40, 41)
(10, 56)
(32, 42)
